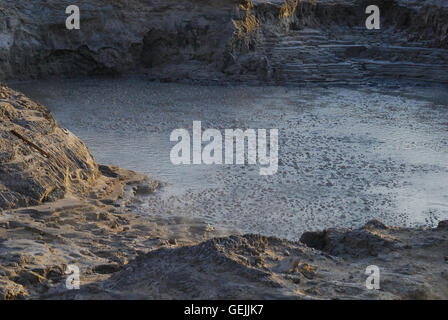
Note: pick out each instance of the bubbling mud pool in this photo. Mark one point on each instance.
(346, 155)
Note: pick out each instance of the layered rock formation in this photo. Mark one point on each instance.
(39, 160)
(323, 40)
(115, 37)
(328, 42)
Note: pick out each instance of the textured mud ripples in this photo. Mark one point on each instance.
(346, 155)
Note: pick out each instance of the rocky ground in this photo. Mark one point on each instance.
(325, 265)
(123, 255)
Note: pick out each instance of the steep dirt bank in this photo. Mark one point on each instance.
(322, 40)
(115, 36)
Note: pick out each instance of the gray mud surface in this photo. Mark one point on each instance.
(346, 154)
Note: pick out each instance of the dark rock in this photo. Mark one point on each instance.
(107, 171)
(443, 224)
(106, 268)
(359, 243)
(315, 239)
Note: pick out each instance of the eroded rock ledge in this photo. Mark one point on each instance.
(39, 160)
(322, 41)
(115, 37)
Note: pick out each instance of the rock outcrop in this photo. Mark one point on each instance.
(238, 40)
(39, 160)
(114, 37)
(327, 41)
